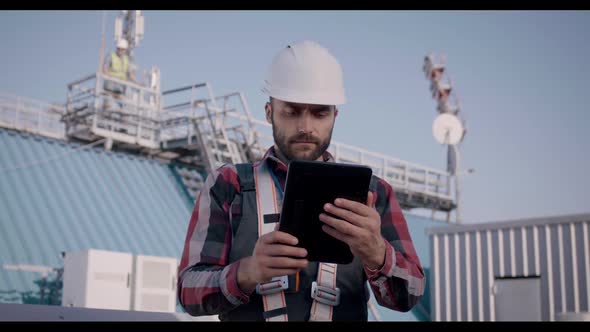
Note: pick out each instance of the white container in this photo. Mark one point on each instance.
(97, 279)
(154, 284)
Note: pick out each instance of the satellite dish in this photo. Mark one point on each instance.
(447, 129)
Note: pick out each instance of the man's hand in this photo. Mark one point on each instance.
(359, 226)
(274, 255)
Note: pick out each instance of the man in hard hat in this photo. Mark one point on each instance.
(118, 65)
(238, 265)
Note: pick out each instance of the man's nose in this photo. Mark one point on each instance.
(305, 122)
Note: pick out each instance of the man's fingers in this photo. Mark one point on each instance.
(336, 234)
(347, 215)
(279, 237)
(356, 207)
(342, 226)
(280, 272)
(283, 250)
(285, 263)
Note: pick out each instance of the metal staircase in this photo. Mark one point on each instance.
(208, 134)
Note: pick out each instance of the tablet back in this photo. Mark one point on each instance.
(311, 184)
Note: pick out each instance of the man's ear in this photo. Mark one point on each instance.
(268, 112)
(335, 113)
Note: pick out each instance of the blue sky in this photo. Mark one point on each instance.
(520, 75)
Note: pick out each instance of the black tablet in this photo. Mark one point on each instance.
(311, 184)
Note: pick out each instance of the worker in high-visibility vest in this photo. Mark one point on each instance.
(119, 65)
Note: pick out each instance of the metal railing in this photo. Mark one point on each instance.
(33, 116)
(130, 116)
(401, 174)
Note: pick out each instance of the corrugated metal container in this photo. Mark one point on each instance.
(531, 269)
(58, 197)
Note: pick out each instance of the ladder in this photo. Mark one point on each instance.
(209, 133)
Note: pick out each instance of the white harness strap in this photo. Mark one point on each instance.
(273, 295)
(324, 292)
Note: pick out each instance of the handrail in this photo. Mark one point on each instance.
(184, 88)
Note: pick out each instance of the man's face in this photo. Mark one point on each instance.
(301, 131)
(120, 51)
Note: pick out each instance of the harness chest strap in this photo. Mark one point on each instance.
(273, 295)
(324, 292)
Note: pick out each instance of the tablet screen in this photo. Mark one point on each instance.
(311, 184)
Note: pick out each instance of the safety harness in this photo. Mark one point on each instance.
(324, 292)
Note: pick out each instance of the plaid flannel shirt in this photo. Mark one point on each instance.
(207, 281)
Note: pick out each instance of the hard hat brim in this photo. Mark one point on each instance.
(316, 98)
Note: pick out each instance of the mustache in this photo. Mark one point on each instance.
(305, 137)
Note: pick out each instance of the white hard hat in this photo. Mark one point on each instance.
(122, 43)
(305, 72)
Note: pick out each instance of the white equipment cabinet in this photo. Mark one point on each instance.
(97, 279)
(154, 284)
(102, 279)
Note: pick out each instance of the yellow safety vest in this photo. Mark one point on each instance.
(119, 66)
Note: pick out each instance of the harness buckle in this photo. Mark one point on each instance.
(325, 295)
(275, 285)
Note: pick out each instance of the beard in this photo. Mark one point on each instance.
(285, 144)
